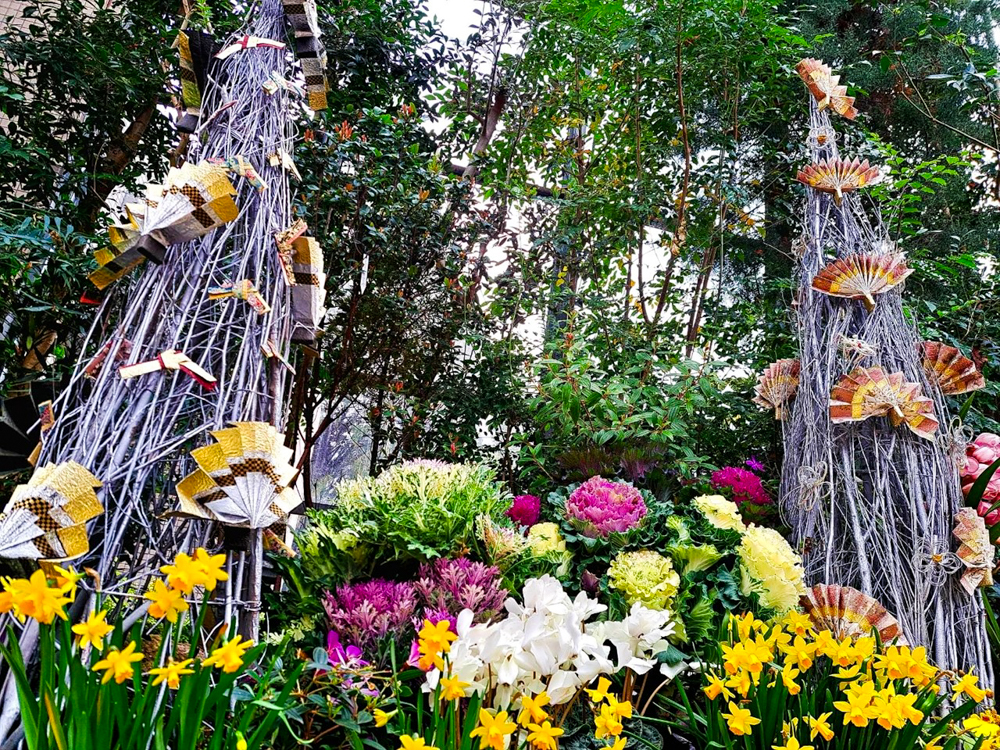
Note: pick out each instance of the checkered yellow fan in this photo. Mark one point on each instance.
(777, 385)
(308, 289)
(838, 176)
(47, 517)
(952, 371)
(870, 392)
(194, 200)
(121, 255)
(825, 86)
(862, 276)
(242, 479)
(847, 612)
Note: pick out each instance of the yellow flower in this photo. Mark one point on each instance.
(34, 598)
(826, 644)
(905, 706)
(621, 709)
(229, 655)
(856, 709)
(118, 664)
(844, 655)
(969, 686)
(6, 598)
(93, 629)
(241, 742)
(820, 726)
(211, 568)
(618, 744)
(66, 578)
(746, 624)
(800, 651)
(797, 623)
(788, 675)
(981, 728)
(452, 688)
(543, 736)
(792, 744)
(850, 673)
(493, 730)
(741, 683)
(166, 602)
(171, 674)
(740, 720)
(437, 636)
(607, 723)
(721, 513)
(716, 687)
(184, 574)
(406, 742)
(600, 693)
(381, 717)
(532, 710)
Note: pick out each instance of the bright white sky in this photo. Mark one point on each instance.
(456, 16)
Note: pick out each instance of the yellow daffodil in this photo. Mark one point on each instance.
(66, 578)
(171, 674)
(820, 725)
(740, 720)
(543, 736)
(34, 598)
(532, 709)
(856, 709)
(848, 673)
(184, 574)
(800, 651)
(406, 742)
(600, 693)
(6, 598)
(788, 675)
(618, 744)
(980, 728)
(211, 568)
(826, 644)
(437, 635)
(621, 709)
(452, 688)
(797, 623)
(741, 683)
(241, 742)
(792, 744)
(117, 664)
(93, 629)
(166, 602)
(493, 730)
(968, 685)
(607, 723)
(229, 656)
(716, 687)
(381, 717)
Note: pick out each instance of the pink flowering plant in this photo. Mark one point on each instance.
(600, 507)
(981, 479)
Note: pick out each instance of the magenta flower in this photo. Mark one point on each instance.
(754, 465)
(599, 506)
(747, 487)
(367, 613)
(446, 587)
(525, 510)
(344, 655)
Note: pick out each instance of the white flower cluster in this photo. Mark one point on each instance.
(548, 645)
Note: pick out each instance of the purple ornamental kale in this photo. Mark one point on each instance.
(367, 613)
(747, 487)
(525, 510)
(446, 587)
(599, 506)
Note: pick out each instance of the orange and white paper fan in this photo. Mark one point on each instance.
(242, 480)
(950, 369)
(862, 276)
(47, 517)
(838, 176)
(194, 200)
(870, 392)
(777, 385)
(825, 86)
(975, 550)
(847, 612)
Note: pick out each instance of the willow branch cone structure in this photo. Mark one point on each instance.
(135, 434)
(872, 505)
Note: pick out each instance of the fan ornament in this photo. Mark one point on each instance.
(838, 176)
(849, 613)
(246, 42)
(949, 369)
(975, 550)
(195, 49)
(244, 290)
(309, 49)
(170, 359)
(777, 385)
(862, 277)
(243, 479)
(122, 254)
(825, 87)
(194, 200)
(869, 392)
(46, 518)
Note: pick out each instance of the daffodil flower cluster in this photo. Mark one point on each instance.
(823, 686)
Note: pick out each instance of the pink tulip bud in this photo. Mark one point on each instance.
(988, 439)
(985, 454)
(991, 517)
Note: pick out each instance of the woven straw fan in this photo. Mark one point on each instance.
(951, 370)
(823, 85)
(975, 550)
(242, 480)
(46, 518)
(847, 612)
(193, 201)
(777, 385)
(869, 392)
(862, 276)
(838, 176)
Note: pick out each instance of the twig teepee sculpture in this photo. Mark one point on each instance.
(870, 484)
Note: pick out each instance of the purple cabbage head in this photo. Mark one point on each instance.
(367, 613)
(599, 506)
(525, 510)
